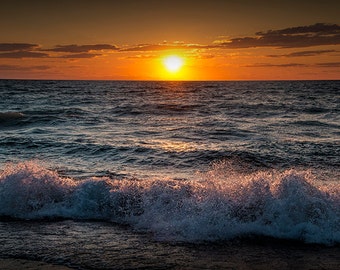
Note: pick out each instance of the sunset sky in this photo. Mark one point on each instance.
(129, 39)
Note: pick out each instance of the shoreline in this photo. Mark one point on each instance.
(15, 264)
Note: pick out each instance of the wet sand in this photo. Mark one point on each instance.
(269, 254)
(100, 245)
(242, 256)
(19, 264)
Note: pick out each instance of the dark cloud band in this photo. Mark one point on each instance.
(82, 48)
(303, 53)
(23, 54)
(9, 47)
(295, 37)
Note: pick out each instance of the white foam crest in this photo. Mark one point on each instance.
(289, 207)
(28, 188)
(221, 204)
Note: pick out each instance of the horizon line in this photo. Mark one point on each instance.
(135, 80)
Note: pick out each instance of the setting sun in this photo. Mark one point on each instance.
(173, 63)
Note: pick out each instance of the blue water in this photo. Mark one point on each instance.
(184, 162)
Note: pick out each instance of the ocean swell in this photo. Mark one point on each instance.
(220, 204)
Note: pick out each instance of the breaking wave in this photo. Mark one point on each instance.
(220, 204)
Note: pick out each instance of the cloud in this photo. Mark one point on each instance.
(150, 56)
(303, 53)
(8, 47)
(277, 65)
(20, 50)
(73, 48)
(330, 64)
(165, 47)
(80, 55)
(327, 64)
(294, 37)
(141, 56)
(22, 68)
(23, 54)
(204, 56)
(318, 28)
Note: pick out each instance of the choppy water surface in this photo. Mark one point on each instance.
(168, 128)
(184, 162)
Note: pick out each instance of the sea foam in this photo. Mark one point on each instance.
(220, 204)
